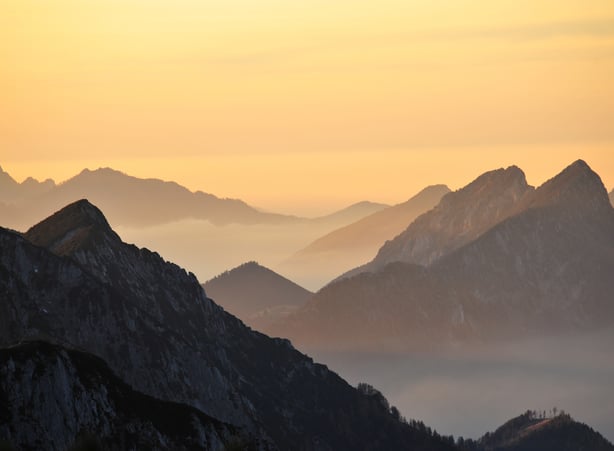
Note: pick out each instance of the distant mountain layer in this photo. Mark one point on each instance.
(533, 431)
(50, 395)
(358, 242)
(538, 262)
(11, 191)
(137, 202)
(255, 294)
(72, 280)
(132, 201)
(352, 213)
(612, 197)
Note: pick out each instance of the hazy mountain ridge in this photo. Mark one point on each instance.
(255, 294)
(357, 242)
(612, 197)
(11, 191)
(353, 212)
(541, 270)
(380, 224)
(140, 202)
(153, 324)
(51, 394)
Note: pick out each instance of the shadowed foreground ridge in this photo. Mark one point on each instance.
(154, 326)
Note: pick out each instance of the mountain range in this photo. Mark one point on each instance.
(136, 202)
(357, 242)
(71, 281)
(255, 294)
(104, 345)
(494, 260)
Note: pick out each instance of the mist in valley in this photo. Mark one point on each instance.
(208, 250)
(469, 392)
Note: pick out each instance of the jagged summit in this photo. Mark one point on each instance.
(460, 217)
(71, 228)
(492, 184)
(577, 185)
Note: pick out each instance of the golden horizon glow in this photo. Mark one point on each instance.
(300, 107)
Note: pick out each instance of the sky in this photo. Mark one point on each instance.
(304, 107)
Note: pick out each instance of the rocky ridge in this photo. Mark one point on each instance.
(155, 327)
(542, 269)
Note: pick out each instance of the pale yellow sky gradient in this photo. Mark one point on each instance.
(306, 107)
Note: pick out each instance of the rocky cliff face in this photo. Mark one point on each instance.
(154, 325)
(53, 396)
(459, 218)
(542, 269)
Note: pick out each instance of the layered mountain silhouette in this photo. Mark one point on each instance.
(494, 260)
(612, 197)
(356, 243)
(255, 294)
(71, 280)
(11, 191)
(136, 202)
(534, 431)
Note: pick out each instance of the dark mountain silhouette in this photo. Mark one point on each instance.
(255, 294)
(534, 431)
(541, 270)
(76, 282)
(459, 218)
(353, 244)
(612, 197)
(51, 394)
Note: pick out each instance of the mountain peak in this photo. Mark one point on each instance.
(70, 228)
(504, 183)
(509, 175)
(577, 185)
(460, 217)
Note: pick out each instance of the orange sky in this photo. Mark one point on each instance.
(310, 106)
